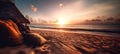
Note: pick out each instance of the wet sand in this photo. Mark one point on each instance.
(79, 43)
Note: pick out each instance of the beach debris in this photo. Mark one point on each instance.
(45, 49)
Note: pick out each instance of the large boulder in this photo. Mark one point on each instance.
(9, 33)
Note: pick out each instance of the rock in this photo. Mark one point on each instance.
(9, 34)
(34, 39)
(8, 10)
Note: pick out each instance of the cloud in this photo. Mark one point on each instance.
(33, 8)
(79, 10)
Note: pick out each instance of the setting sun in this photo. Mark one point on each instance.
(62, 22)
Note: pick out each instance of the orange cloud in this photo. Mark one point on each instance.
(33, 8)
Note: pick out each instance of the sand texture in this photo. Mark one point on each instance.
(75, 43)
(59, 42)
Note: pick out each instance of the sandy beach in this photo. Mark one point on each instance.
(59, 42)
(79, 43)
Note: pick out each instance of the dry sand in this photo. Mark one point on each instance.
(78, 43)
(69, 43)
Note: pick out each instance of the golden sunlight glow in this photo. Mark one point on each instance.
(62, 22)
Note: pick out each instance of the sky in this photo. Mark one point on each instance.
(68, 9)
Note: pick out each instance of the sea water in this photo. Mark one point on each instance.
(111, 30)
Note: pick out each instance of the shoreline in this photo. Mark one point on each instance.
(51, 32)
(79, 32)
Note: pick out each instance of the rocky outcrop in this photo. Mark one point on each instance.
(8, 10)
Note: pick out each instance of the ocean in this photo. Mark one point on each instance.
(108, 30)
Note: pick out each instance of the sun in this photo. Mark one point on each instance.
(62, 22)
